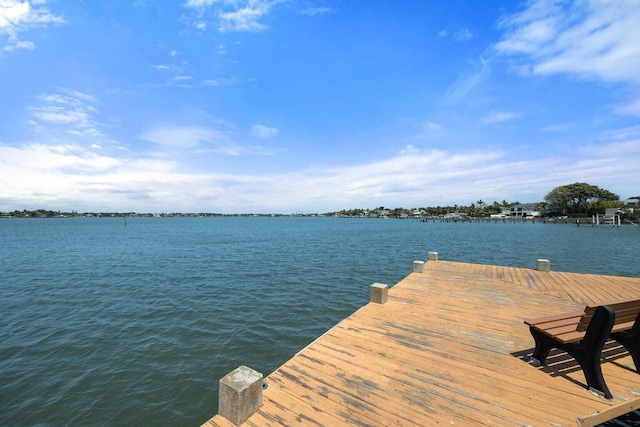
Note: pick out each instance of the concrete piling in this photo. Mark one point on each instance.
(379, 293)
(240, 394)
(418, 266)
(544, 265)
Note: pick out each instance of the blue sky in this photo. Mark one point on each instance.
(282, 106)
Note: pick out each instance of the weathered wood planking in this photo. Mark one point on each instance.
(450, 347)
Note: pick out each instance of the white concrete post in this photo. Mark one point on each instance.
(418, 266)
(240, 394)
(544, 265)
(379, 293)
(433, 256)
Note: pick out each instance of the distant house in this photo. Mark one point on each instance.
(631, 204)
(504, 213)
(524, 210)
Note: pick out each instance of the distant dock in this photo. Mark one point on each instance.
(535, 220)
(447, 346)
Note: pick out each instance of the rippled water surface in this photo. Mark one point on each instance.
(104, 324)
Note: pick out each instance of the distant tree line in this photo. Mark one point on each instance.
(477, 209)
(46, 213)
(576, 200)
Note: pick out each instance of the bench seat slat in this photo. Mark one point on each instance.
(626, 311)
(616, 305)
(558, 330)
(623, 326)
(552, 318)
(626, 316)
(572, 322)
(570, 337)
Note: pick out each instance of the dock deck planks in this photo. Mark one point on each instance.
(450, 347)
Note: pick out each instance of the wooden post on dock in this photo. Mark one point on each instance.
(544, 265)
(433, 256)
(379, 293)
(240, 394)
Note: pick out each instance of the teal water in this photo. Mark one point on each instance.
(104, 324)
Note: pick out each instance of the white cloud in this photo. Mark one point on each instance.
(560, 127)
(47, 158)
(20, 16)
(244, 19)
(631, 132)
(499, 117)
(317, 11)
(432, 126)
(187, 81)
(69, 177)
(199, 139)
(233, 15)
(181, 78)
(17, 44)
(631, 108)
(186, 137)
(202, 3)
(460, 34)
(467, 81)
(263, 132)
(591, 39)
(594, 39)
(409, 149)
(74, 111)
(463, 34)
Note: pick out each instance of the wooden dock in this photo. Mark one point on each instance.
(449, 347)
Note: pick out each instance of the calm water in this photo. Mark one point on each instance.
(104, 324)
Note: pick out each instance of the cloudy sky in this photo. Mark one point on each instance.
(281, 106)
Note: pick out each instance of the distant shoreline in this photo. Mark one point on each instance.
(443, 219)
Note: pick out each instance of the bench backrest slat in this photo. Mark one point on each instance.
(626, 311)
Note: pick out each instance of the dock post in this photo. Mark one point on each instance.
(418, 266)
(240, 394)
(433, 256)
(379, 293)
(544, 265)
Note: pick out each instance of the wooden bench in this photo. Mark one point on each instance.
(584, 334)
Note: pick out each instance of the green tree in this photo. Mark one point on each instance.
(543, 208)
(577, 198)
(599, 206)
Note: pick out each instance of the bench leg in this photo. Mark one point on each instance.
(589, 360)
(544, 344)
(631, 341)
(587, 352)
